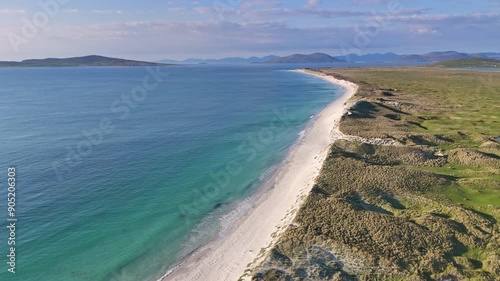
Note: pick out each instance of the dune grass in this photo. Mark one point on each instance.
(426, 209)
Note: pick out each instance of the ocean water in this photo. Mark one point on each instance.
(122, 172)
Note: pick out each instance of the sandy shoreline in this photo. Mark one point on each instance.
(228, 258)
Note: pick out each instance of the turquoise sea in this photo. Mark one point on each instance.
(119, 186)
(121, 172)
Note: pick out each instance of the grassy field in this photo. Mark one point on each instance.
(471, 63)
(425, 209)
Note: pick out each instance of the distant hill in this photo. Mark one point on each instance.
(488, 55)
(444, 56)
(413, 58)
(312, 58)
(77, 61)
(370, 57)
(470, 63)
(230, 60)
(441, 56)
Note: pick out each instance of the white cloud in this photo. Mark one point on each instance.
(267, 13)
(448, 19)
(204, 10)
(225, 38)
(424, 30)
(107, 11)
(176, 9)
(5, 11)
(312, 3)
(71, 11)
(259, 27)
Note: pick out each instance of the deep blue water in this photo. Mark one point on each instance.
(114, 187)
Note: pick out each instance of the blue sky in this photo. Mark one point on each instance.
(154, 29)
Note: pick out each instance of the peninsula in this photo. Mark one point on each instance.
(78, 62)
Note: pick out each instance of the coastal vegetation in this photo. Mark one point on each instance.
(426, 208)
(471, 63)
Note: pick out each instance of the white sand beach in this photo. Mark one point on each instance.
(227, 258)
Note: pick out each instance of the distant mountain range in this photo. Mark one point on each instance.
(371, 57)
(450, 55)
(94, 60)
(312, 58)
(325, 58)
(230, 60)
(77, 61)
(297, 58)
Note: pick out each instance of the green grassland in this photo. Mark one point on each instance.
(425, 209)
(470, 63)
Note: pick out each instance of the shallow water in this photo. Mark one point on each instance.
(135, 201)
